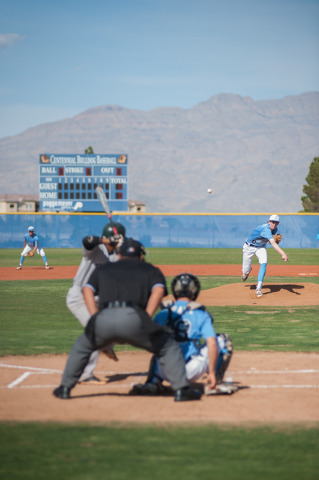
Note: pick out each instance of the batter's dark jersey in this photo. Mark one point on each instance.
(129, 280)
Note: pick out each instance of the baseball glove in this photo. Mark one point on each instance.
(277, 237)
(31, 254)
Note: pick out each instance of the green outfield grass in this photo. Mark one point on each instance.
(226, 256)
(53, 451)
(166, 256)
(35, 319)
(56, 257)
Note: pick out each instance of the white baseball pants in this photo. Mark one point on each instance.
(249, 252)
(76, 304)
(197, 366)
(28, 249)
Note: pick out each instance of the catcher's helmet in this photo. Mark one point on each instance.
(185, 285)
(108, 230)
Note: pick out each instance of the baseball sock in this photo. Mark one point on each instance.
(45, 260)
(261, 275)
(21, 260)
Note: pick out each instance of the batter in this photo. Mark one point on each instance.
(96, 251)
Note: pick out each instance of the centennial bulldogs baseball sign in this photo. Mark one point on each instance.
(68, 182)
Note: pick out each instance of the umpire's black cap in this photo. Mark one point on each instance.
(131, 248)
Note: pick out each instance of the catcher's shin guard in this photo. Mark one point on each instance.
(151, 370)
(152, 377)
(224, 356)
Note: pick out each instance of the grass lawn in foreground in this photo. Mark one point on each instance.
(65, 452)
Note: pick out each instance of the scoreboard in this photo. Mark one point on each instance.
(68, 182)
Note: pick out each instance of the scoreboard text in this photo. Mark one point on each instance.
(68, 182)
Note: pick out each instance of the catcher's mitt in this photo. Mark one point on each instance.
(277, 237)
(30, 254)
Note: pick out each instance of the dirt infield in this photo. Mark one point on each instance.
(55, 273)
(284, 294)
(274, 295)
(274, 388)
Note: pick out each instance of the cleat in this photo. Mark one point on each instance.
(47, 267)
(149, 389)
(187, 393)
(244, 277)
(92, 381)
(19, 267)
(62, 392)
(259, 293)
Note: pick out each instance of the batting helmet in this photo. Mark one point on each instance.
(185, 285)
(108, 230)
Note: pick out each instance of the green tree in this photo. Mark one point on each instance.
(88, 150)
(310, 202)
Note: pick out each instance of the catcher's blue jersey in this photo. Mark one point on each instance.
(189, 327)
(261, 235)
(31, 240)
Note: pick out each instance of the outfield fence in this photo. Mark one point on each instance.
(66, 230)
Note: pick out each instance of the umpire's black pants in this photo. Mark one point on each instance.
(126, 325)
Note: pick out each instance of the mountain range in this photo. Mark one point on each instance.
(254, 155)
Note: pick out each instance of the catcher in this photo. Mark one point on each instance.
(256, 245)
(204, 351)
(30, 246)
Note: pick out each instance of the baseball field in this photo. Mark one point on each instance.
(269, 428)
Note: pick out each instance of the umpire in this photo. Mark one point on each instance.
(130, 291)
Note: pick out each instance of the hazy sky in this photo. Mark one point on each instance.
(60, 58)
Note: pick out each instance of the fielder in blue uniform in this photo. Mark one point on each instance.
(256, 245)
(191, 325)
(30, 245)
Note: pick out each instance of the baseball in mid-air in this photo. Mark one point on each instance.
(209, 190)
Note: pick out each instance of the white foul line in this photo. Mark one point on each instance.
(283, 386)
(111, 385)
(19, 380)
(253, 372)
(38, 370)
(310, 274)
(44, 370)
(49, 370)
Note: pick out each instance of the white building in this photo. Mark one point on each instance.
(136, 206)
(19, 203)
(30, 203)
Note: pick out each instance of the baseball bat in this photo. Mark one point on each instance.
(103, 201)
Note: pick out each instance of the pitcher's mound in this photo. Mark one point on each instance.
(279, 294)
